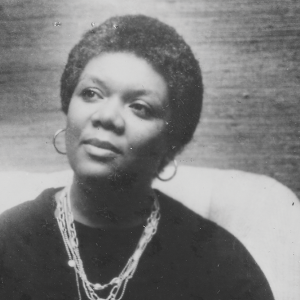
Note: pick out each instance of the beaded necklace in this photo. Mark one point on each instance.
(118, 284)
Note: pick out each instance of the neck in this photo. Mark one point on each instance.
(110, 204)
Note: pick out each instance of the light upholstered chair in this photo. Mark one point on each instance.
(262, 213)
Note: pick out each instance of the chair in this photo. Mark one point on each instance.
(262, 213)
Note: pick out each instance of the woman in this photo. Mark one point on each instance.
(132, 95)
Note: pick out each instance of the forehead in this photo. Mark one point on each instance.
(125, 71)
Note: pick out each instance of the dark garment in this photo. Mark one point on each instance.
(188, 258)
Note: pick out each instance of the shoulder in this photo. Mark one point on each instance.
(212, 250)
(184, 221)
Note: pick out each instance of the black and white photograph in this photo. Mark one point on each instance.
(149, 149)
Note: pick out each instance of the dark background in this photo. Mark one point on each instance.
(248, 51)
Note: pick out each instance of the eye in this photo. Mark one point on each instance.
(91, 94)
(141, 110)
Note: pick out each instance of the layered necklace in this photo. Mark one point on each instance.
(118, 284)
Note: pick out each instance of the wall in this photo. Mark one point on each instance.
(248, 51)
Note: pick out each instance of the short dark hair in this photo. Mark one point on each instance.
(162, 47)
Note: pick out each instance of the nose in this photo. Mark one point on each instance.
(109, 115)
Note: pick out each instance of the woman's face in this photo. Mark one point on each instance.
(117, 118)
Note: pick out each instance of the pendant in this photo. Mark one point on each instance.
(71, 263)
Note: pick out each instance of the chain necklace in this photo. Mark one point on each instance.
(118, 284)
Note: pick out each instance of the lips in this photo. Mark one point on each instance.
(102, 145)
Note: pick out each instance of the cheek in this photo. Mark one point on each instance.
(73, 130)
(71, 135)
(149, 144)
(76, 117)
(148, 153)
(71, 142)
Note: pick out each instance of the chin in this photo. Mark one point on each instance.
(117, 178)
(121, 180)
(94, 171)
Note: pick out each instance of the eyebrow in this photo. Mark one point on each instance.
(98, 82)
(143, 92)
(139, 92)
(94, 80)
(128, 94)
(132, 93)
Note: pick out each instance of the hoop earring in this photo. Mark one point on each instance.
(56, 134)
(173, 175)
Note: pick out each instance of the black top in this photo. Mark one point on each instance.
(188, 258)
